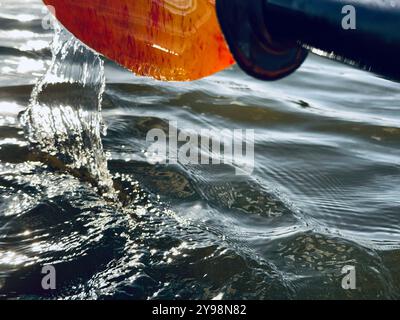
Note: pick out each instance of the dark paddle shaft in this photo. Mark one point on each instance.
(270, 38)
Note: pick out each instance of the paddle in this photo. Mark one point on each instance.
(182, 39)
(166, 39)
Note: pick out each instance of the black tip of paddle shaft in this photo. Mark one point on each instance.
(269, 38)
(254, 50)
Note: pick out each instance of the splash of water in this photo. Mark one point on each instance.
(63, 120)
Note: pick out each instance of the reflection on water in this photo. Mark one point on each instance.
(324, 193)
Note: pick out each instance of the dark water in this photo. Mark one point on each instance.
(325, 191)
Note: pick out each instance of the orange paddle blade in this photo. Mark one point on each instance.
(175, 40)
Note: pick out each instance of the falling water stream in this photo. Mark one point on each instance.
(63, 121)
